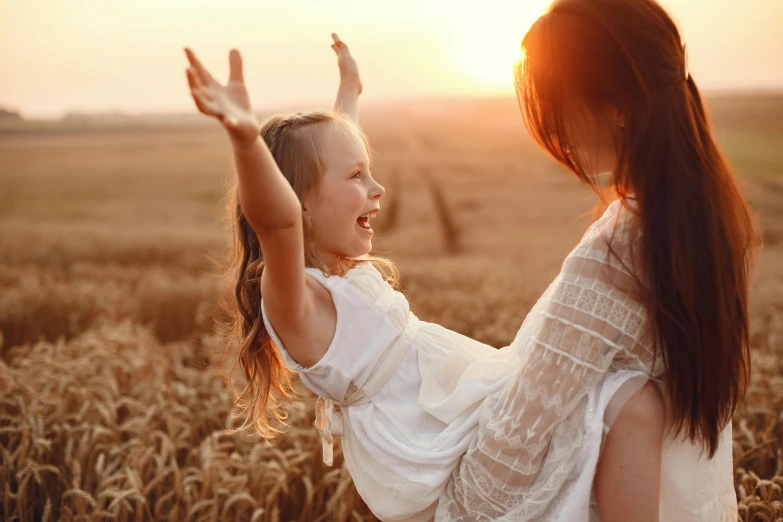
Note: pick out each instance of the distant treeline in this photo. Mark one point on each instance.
(6, 114)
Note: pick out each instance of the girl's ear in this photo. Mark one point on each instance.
(306, 213)
(306, 203)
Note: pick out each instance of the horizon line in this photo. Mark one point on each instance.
(182, 112)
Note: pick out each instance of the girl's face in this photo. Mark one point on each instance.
(340, 212)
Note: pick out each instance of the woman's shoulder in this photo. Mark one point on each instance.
(613, 236)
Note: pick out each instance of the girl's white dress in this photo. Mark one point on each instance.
(409, 398)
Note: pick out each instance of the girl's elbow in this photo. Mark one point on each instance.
(288, 219)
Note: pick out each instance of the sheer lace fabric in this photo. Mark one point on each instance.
(531, 433)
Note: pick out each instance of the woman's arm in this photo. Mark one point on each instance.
(268, 201)
(530, 433)
(350, 84)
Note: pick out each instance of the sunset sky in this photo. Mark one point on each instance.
(126, 55)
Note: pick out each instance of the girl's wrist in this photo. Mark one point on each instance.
(244, 136)
(351, 82)
(243, 144)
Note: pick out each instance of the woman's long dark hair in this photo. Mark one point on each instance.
(698, 235)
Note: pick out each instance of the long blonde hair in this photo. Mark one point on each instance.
(297, 145)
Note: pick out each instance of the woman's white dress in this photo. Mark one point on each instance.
(409, 398)
(532, 434)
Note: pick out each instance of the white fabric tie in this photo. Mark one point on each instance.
(328, 413)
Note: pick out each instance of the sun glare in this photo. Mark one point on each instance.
(488, 55)
(489, 63)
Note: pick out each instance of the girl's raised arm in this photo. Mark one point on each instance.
(268, 201)
(350, 85)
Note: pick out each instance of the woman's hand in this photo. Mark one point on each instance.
(230, 103)
(349, 70)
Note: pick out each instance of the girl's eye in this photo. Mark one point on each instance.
(356, 174)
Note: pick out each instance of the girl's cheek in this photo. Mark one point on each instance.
(332, 201)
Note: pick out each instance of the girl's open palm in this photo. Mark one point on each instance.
(230, 103)
(349, 70)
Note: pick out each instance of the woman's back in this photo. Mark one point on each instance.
(694, 488)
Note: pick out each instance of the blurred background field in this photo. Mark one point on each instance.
(112, 404)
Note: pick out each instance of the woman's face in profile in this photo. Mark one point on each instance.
(593, 139)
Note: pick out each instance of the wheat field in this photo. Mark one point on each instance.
(113, 403)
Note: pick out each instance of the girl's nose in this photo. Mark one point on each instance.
(377, 191)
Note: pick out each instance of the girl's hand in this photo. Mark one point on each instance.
(349, 70)
(230, 103)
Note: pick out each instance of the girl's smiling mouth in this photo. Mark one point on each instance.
(364, 220)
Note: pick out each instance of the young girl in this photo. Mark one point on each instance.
(604, 87)
(404, 394)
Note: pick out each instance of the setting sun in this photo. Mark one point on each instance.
(489, 62)
(485, 47)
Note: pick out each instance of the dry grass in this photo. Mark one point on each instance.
(113, 406)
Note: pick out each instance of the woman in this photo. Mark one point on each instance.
(659, 283)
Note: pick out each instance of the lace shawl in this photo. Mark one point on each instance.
(530, 433)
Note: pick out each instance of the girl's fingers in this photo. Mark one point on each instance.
(195, 84)
(191, 58)
(235, 67)
(338, 44)
(193, 80)
(203, 93)
(199, 79)
(339, 49)
(200, 103)
(210, 108)
(204, 102)
(203, 74)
